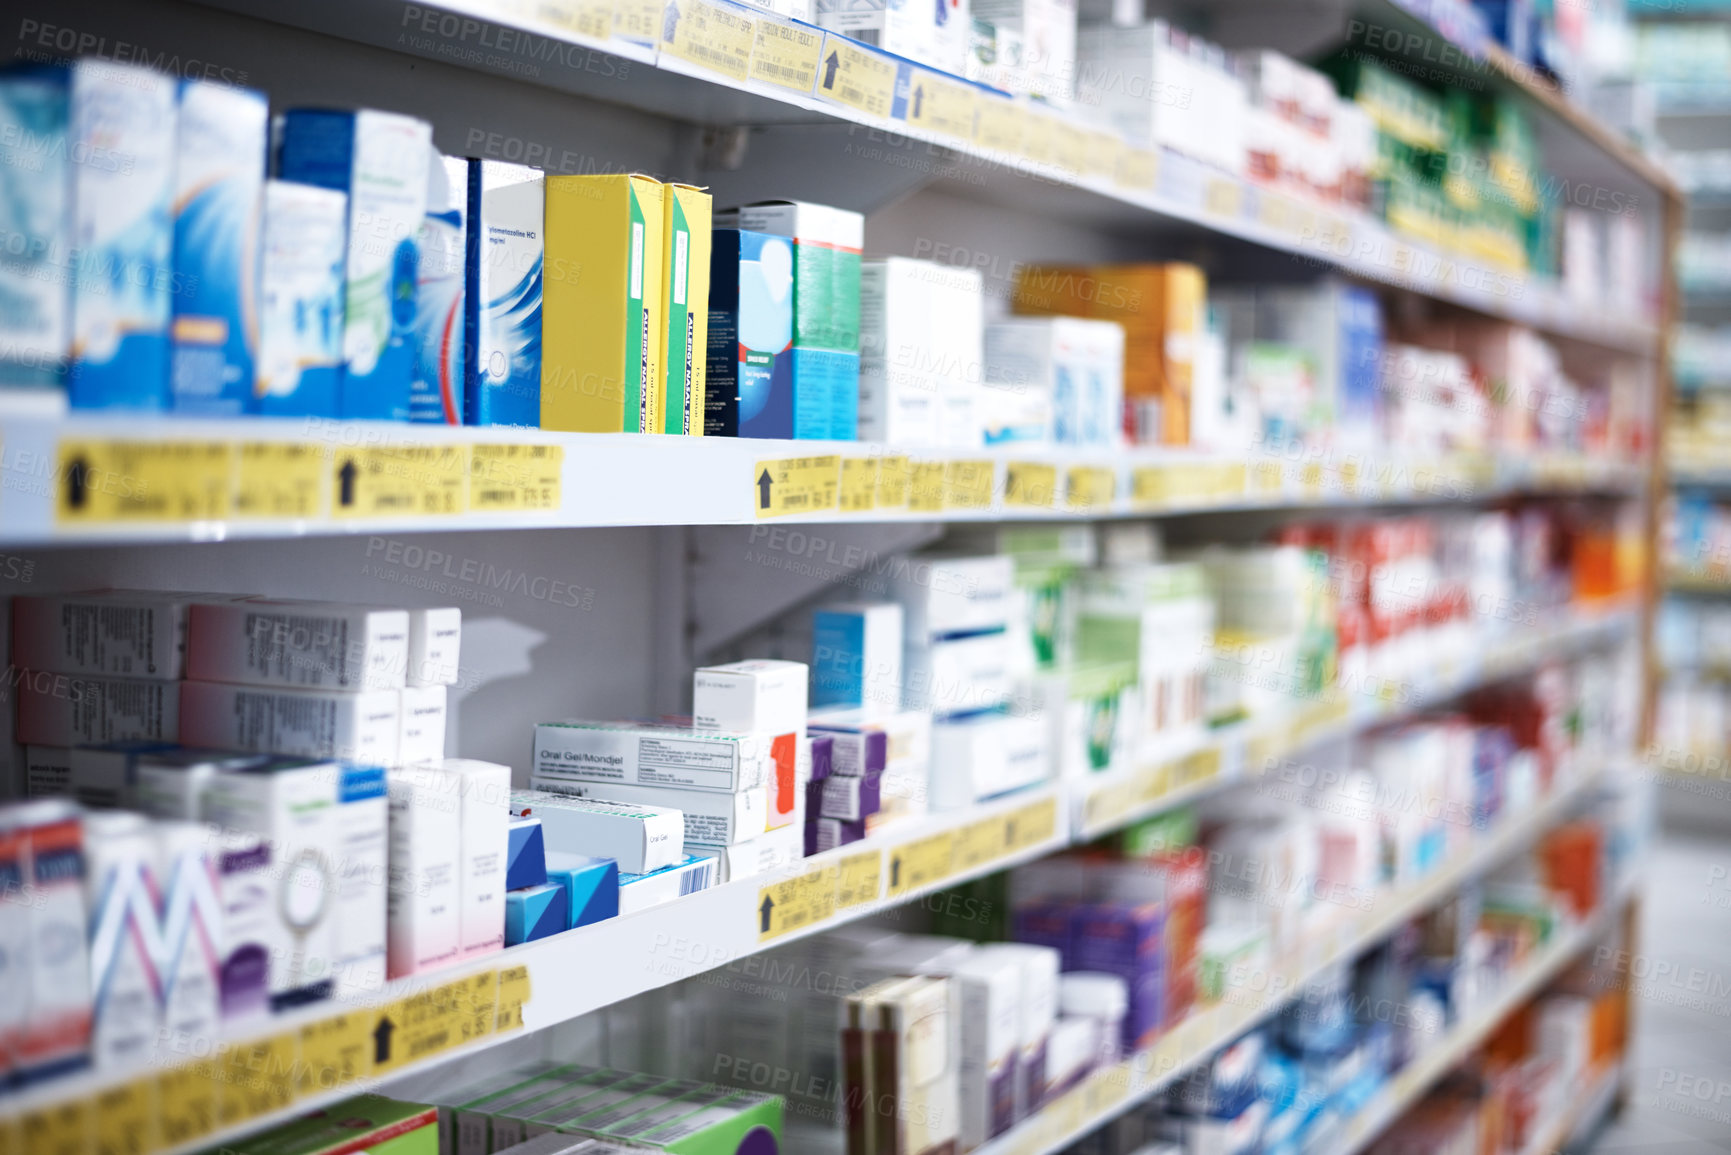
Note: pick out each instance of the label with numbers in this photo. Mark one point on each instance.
(712, 35)
(793, 485)
(126, 1119)
(926, 487)
(400, 481)
(516, 478)
(513, 994)
(940, 105)
(280, 479)
(920, 863)
(1089, 487)
(1031, 825)
(119, 481)
(854, 75)
(968, 484)
(859, 484)
(591, 18)
(895, 475)
(786, 55)
(998, 124)
(859, 879)
(796, 903)
(1030, 484)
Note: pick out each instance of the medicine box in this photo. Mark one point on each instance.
(642, 891)
(370, 1123)
(591, 886)
(979, 756)
(752, 697)
(641, 838)
(710, 816)
(587, 1087)
(265, 642)
(956, 595)
(123, 633)
(504, 296)
(218, 198)
(435, 643)
(470, 1127)
(190, 913)
(302, 256)
(380, 160)
(486, 809)
(441, 291)
(169, 781)
(1075, 365)
(771, 850)
(120, 895)
(748, 377)
(535, 912)
(422, 906)
(36, 327)
(361, 727)
(958, 675)
(601, 370)
(54, 1034)
(421, 724)
(649, 755)
(76, 709)
(685, 308)
(856, 656)
(526, 853)
(989, 989)
(122, 234)
(559, 1112)
(105, 776)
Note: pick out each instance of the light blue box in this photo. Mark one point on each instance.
(436, 390)
(380, 160)
(526, 854)
(590, 884)
(502, 375)
(218, 201)
(535, 912)
(36, 219)
(122, 186)
(300, 359)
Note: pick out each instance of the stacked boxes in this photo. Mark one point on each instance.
(684, 311)
(1066, 373)
(448, 851)
(920, 355)
(824, 359)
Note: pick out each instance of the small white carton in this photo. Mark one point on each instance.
(78, 710)
(486, 811)
(421, 724)
(639, 838)
(650, 755)
(426, 853)
(710, 817)
(313, 645)
(362, 727)
(751, 697)
(119, 891)
(435, 641)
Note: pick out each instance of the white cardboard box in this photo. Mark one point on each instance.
(639, 838)
(426, 853)
(751, 697)
(361, 727)
(486, 810)
(687, 876)
(710, 818)
(80, 709)
(435, 644)
(118, 633)
(313, 645)
(645, 755)
(421, 724)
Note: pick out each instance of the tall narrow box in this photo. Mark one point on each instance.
(441, 298)
(218, 200)
(506, 266)
(748, 386)
(422, 909)
(380, 159)
(122, 233)
(856, 657)
(55, 1035)
(186, 867)
(486, 810)
(826, 309)
(36, 325)
(685, 308)
(435, 641)
(119, 892)
(601, 368)
(300, 325)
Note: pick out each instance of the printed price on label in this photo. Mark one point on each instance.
(126, 1119)
(796, 903)
(852, 74)
(516, 478)
(118, 481)
(1031, 825)
(941, 105)
(1138, 168)
(795, 485)
(637, 21)
(591, 18)
(860, 880)
(968, 484)
(859, 484)
(1030, 485)
(979, 843)
(61, 1129)
(920, 863)
(1089, 487)
(786, 55)
(334, 1052)
(513, 996)
(895, 474)
(256, 1078)
(399, 481)
(926, 487)
(186, 1103)
(280, 479)
(998, 124)
(712, 36)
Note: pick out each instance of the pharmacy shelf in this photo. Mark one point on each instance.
(461, 1010)
(1419, 1076)
(1110, 1092)
(1262, 748)
(764, 71)
(101, 478)
(1582, 1111)
(1703, 582)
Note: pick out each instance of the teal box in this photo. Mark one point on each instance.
(591, 886)
(36, 220)
(826, 394)
(535, 912)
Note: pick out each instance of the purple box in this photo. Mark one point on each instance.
(822, 756)
(849, 799)
(1125, 939)
(1046, 922)
(856, 752)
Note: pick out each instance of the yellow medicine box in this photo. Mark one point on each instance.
(685, 307)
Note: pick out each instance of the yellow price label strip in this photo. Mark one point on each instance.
(895, 476)
(939, 104)
(256, 1078)
(998, 124)
(926, 487)
(796, 903)
(1030, 825)
(1310, 479)
(712, 36)
(1030, 485)
(859, 879)
(334, 1052)
(59, 1129)
(400, 481)
(853, 75)
(1197, 768)
(968, 484)
(1100, 154)
(513, 995)
(591, 18)
(186, 1099)
(1138, 168)
(1267, 477)
(1104, 804)
(1039, 136)
(979, 843)
(1090, 487)
(516, 478)
(1105, 1090)
(1069, 148)
(637, 20)
(859, 485)
(126, 1119)
(1223, 197)
(923, 862)
(280, 479)
(786, 55)
(120, 481)
(433, 1022)
(793, 485)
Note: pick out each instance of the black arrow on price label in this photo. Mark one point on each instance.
(830, 66)
(77, 483)
(763, 913)
(919, 99)
(764, 482)
(382, 1040)
(347, 476)
(895, 872)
